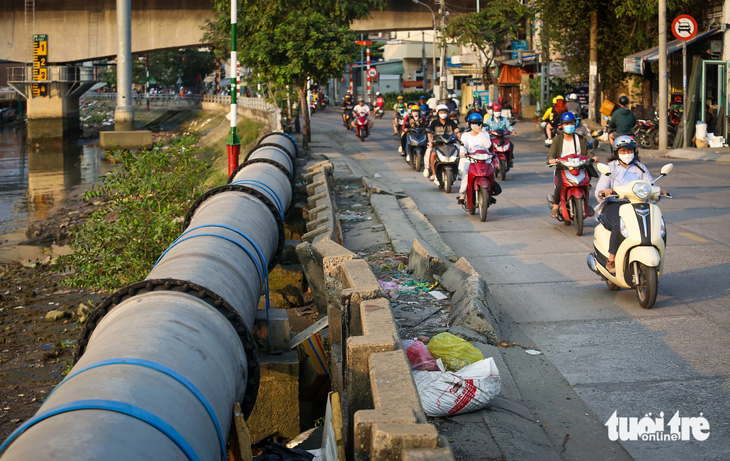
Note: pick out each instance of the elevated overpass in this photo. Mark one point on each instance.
(85, 30)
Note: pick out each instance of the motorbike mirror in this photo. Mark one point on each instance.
(666, 169)
(603, 168)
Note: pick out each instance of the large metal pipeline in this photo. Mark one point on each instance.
(162, 361)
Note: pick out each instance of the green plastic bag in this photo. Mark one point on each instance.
(454, 352)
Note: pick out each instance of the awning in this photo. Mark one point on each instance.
(509, 75)
(635, 62)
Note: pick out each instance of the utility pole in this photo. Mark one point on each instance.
(593, 69)
(424, 70)
(663, 88)
(726, 31)
(442, 80)
(233, 143)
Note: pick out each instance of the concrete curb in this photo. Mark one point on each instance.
(383, 415)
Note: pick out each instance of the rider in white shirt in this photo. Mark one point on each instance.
(474, 140)
(361, 110)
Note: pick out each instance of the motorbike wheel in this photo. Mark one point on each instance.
(448, 180)
(578, 210)
(417, 159)
(646, 289)
(361, 135)
(502, 169)
(644, 139)
(483, 199)
(412, 161)
(654, 136)
(612, 286)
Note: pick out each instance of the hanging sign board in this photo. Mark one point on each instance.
(684, 27)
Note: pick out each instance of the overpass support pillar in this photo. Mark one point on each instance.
(53, 116)
(124, 113)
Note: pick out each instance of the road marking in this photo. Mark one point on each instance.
(693, 237)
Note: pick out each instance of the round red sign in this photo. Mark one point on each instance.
(684, 27)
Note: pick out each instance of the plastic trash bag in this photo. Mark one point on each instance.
(418, 356)
(444, 393)
(454, 352)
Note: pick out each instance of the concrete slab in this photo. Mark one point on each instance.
(691, 398)
(390, 214)
(608, 351)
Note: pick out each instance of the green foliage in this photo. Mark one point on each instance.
(188, 64)
(624, 27)
(143, 202)
(492, 28)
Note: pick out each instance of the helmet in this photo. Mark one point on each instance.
(567, 117)
(360, 99)
(441, 107)
(377, 93)
(415, 107)
(557, 98)
(489, 106)
(400, 97)
(624, 142)
(348, 97)
(623, 100)
(476, 117)
(475, 94)
(573, 97)
(422, 97)
(496, 107)
(500, 100)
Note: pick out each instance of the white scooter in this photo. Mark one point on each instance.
(640, 257)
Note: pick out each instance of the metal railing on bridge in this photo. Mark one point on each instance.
(175, 98)
(60, 74)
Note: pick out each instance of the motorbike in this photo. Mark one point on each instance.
(640, 257)
(447, 160)
(348, 117)
(501, 147)
(642, 135)
(321, 104)
(361, 128)
(379, 112)
(313, 107)
(416, 142)
(480, 183)
(574, 194)
(454, 115)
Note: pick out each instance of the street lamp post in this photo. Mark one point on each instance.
(433, 80)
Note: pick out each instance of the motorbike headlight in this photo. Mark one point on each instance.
(663, 230)
(622, 226)
(642, 190)
(442, 157)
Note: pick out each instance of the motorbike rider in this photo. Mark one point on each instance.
(398, 107)
(581, 129)
(552, 116)
(497, 122)
(379, 100)
(573, 105)
(476, 108)
(450, 103)
(347, 106)
(622, 120)
(625, 167)
(361, 110)
(475, 139)
(564, 144)
(413, 120)
(440, 126)
(425, 110)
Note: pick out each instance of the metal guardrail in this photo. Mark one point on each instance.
(247, 103)
(61, 74)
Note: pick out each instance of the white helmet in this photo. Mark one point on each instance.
(441, 107)
(573, 96)
(377, 93)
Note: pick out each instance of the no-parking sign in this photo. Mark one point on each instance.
(684, 27)
(373, 72)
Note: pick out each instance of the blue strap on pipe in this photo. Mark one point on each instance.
(268, 189)
(165, 370)
(278, 149)
(117, 407)
(263, 266)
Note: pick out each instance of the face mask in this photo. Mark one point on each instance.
(569, 129)
(626, 158)
(490, 112)
(476, 127)
(497, 114)
(443, 116)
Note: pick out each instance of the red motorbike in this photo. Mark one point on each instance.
(480, 186)
(574, 193)
(502, 147)
(361, 128)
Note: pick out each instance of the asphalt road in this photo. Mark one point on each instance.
(612, 353)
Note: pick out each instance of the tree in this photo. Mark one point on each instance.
(291, 42)
(625, 27)
(489, 29)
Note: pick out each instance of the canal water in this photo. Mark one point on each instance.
(35, 178)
